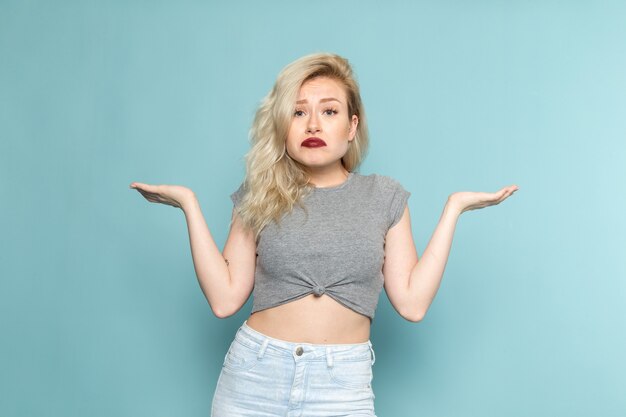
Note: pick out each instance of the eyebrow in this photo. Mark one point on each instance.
(324, 100)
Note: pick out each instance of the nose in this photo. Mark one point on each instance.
(312, 125)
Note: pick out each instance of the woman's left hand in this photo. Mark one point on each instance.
(469, 200)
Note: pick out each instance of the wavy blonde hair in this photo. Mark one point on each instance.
(274, 182)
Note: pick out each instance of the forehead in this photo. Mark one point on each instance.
(322, 87)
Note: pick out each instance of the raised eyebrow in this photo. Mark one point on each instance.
(324, 100)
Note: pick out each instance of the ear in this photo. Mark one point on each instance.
(354, 122)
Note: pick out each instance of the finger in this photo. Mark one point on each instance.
(148, 195)
(505, 194)
(503, 191)
(152, 189)
(508, 193)
(497, 196)
(148, 187)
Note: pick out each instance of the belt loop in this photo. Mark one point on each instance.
(263, 347)
(329, 357)
(372, 350)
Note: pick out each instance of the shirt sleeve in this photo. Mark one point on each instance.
(399, 198)
(237, 196)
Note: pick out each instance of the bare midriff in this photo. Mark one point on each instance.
(312, 319)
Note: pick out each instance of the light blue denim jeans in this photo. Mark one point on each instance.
(262, 377)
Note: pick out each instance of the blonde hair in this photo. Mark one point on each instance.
(274, 182)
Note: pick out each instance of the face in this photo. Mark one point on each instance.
(321, 128)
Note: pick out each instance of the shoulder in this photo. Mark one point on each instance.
(379, 181)
(237, 195)
(387, 195)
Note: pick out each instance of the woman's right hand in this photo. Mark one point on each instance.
(172, 195)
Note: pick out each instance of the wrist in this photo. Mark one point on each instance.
(453, 207)
(189, 201)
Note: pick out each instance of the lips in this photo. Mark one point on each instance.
(313, 143)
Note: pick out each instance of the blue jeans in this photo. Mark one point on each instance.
(262, 377)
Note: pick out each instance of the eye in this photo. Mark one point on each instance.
(298, 113)
(330, 112)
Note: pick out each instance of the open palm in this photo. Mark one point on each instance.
(172, 195)
(470, 200)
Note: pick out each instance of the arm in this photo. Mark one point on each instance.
(411, 285)
(226, 285)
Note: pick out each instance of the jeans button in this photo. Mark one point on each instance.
(299, 351)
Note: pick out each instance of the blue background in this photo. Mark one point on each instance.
(100, 310)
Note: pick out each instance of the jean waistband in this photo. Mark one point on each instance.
(262, 342)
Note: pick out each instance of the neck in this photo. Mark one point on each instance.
(328, 178)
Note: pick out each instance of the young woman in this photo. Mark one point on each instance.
(316, 242)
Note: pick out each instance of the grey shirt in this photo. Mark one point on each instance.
(337, 250)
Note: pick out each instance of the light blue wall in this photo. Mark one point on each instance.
(100, 310)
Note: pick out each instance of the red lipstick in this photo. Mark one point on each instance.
(313, 142)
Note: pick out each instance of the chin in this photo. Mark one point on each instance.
(313, 162)
(318, 164)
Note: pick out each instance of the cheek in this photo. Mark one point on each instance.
(291, 134)
(345, 130)
(295, 129)
(292, 143)
(291, 139)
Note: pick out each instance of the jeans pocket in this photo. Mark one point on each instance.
(354, 374)
(240, 358)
